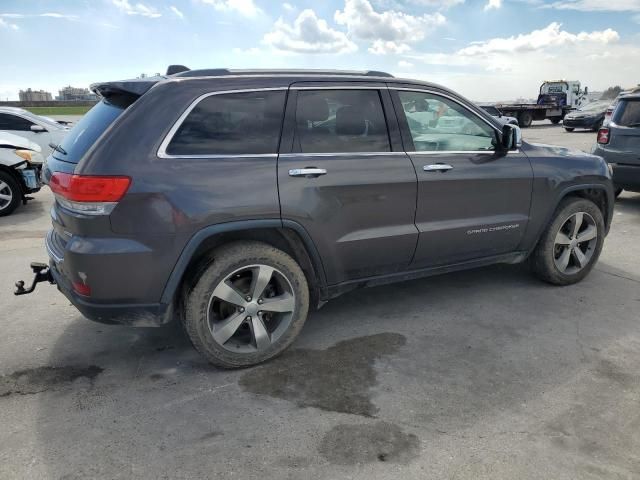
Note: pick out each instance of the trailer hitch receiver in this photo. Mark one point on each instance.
(41, 272)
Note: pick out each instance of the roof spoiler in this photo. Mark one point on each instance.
(135, 87)
(173, 69)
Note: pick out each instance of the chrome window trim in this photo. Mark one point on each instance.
(339, 87)
(441, 94)
(162, 151)
(340, 154)
(438, 152)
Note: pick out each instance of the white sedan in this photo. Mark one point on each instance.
(20, 167)
(37, 129)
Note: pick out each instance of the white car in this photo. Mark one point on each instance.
(20, 166)
(37, 129)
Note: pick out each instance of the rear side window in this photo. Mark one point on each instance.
(627, 113)
(334, 121)
(246, 123)
(84, 134)
(14, 122)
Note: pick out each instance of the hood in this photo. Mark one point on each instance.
(14, 141)
(558, 151)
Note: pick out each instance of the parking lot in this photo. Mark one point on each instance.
(481, 374)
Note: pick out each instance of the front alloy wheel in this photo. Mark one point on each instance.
(575, 243)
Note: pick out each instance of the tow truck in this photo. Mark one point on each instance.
(555, 100)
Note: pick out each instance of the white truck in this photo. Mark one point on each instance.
(556, 99)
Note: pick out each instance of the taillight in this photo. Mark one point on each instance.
(91, 195)
(603, 136)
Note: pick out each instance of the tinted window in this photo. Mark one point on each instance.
(628, 113)
(438, 124)
(334, 121)
(234, 123)
(14, 122)
(84, 134)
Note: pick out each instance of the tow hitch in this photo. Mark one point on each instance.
(42, 273)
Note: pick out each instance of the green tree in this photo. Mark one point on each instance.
(611, 93)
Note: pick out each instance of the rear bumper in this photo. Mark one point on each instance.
(103, 310)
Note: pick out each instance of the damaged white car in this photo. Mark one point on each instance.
(20, 166)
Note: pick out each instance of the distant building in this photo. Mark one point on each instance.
(73, 94)
(29, 95)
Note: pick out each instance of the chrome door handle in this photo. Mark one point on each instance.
(437, 167)
(307, 172)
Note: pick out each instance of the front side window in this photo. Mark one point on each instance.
(246, 123)
(437, 124)
(335, 121)
(627, 113)
(14, 122)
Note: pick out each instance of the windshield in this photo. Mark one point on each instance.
(81, 137)
(594, 107)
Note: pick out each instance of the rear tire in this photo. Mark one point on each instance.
(560, 257)
(525, 119)
(10, 194)
(569, 129)
(618, 191)
(555, 120)
(225, 321)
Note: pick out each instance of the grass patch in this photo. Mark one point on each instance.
(79, 110)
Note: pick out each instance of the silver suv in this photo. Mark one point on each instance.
(619, 144)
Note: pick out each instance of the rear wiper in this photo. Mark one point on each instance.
(57, 148)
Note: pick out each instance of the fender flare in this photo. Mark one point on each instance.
(202, 235)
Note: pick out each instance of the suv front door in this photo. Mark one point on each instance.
(472, 201)
(343, 175)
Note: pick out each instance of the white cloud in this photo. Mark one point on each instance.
(493, 4)
(136, 9)
(501, 68)
(5, 24)
(177, 12)
(597, 5)
(550, 36)
(288, 7)
(442, 4)
(48, 15)
(244, 7)
(405, 64)
(390, 31)
(308, 34)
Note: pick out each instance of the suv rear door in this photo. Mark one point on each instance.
(343, 176)
(472, 202)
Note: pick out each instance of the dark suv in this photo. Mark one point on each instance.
(619, 143)
(237, 200)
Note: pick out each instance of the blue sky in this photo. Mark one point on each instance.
(486, 49)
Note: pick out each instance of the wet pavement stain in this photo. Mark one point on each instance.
(42, 379)
(379, 442)
(337, 379)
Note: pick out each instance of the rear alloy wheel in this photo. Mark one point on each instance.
(247, 306)
(9, 194)
(571, 245)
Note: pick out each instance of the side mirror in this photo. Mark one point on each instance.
(38, 128)
(511, 137)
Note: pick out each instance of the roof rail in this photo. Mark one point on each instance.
(182, 71)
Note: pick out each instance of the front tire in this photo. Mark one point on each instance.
(571, 244)
(569, 129)
(10, 194)
(247, 306)
(525, 119)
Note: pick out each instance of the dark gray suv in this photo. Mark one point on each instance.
(619, 144)
(234, 201)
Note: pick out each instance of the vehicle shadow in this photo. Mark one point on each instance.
(477, 345)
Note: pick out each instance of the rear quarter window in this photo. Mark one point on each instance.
(245, 123)
(627, 113)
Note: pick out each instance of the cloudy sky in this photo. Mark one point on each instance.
(485, 49)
